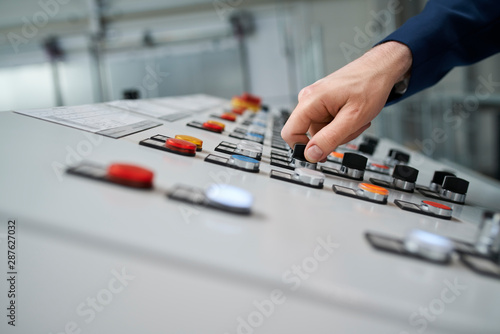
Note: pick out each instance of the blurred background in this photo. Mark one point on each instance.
(69, 52)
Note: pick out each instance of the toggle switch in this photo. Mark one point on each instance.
(193, 140)
(299, 159)
(180, 146)
(454, 189)
(429, 246)
(428, 208)
(404, 178)
(309, 176)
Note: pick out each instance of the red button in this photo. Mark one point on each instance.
(213, 127)
(180, 146)
(228, 117)
(131, 175)
(437, 205)
(251, 98)
(239, 110)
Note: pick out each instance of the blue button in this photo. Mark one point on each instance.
(255, 135)
(244, 159)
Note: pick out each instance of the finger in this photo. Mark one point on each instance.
(316, 127)
(295, 129)
(334, 134)
(356, 134)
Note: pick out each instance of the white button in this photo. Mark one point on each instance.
(230, 197)
(252, 144)
(248, 151)
(309, 176)
(428, 245)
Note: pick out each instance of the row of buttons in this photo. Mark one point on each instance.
(220, 196)
(483, 256)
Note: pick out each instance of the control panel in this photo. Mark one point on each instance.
(205, 221)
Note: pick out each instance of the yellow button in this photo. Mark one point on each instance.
(194, 140)
(222, 125)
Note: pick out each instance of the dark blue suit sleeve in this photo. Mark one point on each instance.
(446, 34)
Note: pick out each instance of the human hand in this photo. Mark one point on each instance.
(339, 107)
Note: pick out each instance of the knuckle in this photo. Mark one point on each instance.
(306, 92)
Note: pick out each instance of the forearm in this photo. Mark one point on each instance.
(448, 33)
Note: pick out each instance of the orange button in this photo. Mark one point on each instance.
(213, 127)
(437, 205)
(222, 125)
(374, 189)
(228, 116)
(131, 175)
(180, 146)
(380, 166)
(239, 110)
(337, 155)
(194, 140)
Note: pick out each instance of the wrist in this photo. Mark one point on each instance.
(391, 59)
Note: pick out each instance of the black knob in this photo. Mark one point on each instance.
(354, 161)
(402, 157)
(265, 107)
(439, 176)
(370, 140)
(366, 148)
(298, 152)
(405, 173)
(456, 185)
(399, 156)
